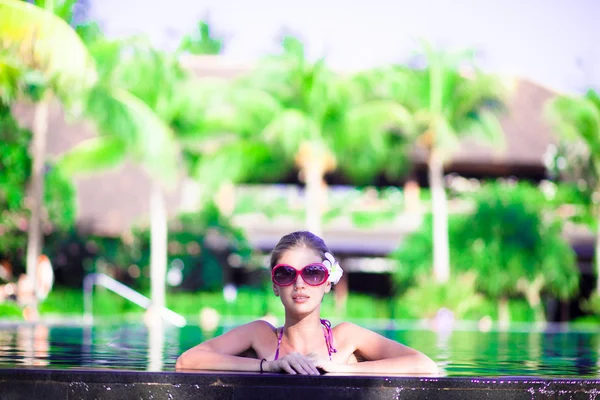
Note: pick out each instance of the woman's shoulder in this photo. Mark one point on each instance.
(259, 327)
(344, 329)
(351, 331)
(255, 332)
(345, 326)
(259, 324)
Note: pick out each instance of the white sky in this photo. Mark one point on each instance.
(553, 42)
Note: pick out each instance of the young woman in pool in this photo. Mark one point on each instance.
(303, 270)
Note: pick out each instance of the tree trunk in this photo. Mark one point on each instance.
(439, 205)
(36, 195)
(156, 346)
(158, 247)
(313, 175)
(503, 313)
(532, 292)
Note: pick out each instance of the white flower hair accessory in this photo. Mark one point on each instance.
(334, 268)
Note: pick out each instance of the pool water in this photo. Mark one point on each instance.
(555, 351)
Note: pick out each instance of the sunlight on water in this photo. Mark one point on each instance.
(549, 353)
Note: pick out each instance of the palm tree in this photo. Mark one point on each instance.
(316, 119)
(168, 128)
(201, 41)
(51, 51)
(131, 126)
(577, 119)
(447, 105)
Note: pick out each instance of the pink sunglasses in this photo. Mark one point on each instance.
(313, 274)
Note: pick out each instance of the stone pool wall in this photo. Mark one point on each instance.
(47, 384)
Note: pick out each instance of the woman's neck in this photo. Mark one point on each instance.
(301, 332)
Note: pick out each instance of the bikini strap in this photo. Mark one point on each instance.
(278, 343)
(328, 337)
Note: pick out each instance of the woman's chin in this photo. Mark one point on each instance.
(303, 307)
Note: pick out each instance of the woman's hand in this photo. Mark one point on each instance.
(325, 364)
(293, 364)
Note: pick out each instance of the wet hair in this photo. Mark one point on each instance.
(298, 239)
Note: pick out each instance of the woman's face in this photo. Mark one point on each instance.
(299, 295)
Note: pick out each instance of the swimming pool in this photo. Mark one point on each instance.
(553, 351)
(129, 353)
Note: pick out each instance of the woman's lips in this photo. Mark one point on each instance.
(300, 298)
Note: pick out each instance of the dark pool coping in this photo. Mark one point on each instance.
(46, 384)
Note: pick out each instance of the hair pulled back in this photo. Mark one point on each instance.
(298, 239)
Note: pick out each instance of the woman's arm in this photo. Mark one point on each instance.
(384, 355)
(220, 353)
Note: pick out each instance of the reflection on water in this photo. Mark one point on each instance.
(543, 353)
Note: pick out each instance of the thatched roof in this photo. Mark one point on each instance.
(527, 135)
(111, 202)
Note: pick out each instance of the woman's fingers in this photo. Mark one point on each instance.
(299, 364)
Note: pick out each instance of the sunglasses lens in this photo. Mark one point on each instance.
(314, 274)
(284, 275)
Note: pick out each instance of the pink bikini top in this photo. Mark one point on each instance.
(328, 339)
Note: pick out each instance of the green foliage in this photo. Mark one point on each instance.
(509, 237)
(70, 302)
(578, 119)
(369, 219)
(321, 112)
(12, 76)
(47, 47)
(592, 305)
(458, 295)
(218, 241)
(577, 158)
(203, 242)
(15, 162)
(60, 199)
(10, 310)
(201, 41)
(445, 105)
(508, 241)
(415, 254)
(250, 302)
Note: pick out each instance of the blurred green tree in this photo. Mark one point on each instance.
(310, 116)
(510, 241)
(149, 110)
(15, 164)
(577, 120)
(46, 60)
(516, 246)
(449, 99)
(130, 126)
(201, 41)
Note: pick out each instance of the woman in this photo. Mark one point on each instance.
(303, 270)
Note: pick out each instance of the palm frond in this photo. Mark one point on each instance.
(289, 129)
(46, 43)
(446, 139)
(12, 72)
(484, 127)
(235, 162)
(576, 119)
(372, 120)
(122, 116)
(155, 147)
(93, 155)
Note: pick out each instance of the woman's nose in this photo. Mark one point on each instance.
(299, 281)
